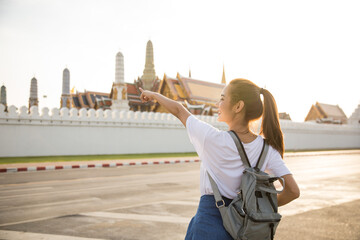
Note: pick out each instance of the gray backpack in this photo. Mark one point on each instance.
(253, 213)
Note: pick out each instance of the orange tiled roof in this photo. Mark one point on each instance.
(131, 89)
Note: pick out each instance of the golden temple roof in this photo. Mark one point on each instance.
(202, 91)
(191, 92)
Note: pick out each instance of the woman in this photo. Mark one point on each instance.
(239, 105)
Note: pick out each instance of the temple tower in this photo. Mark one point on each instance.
(119, 68)
(66, 100)
(33, 100)
(223, 80)
(3, 96)
(119, 91)
(148, 76)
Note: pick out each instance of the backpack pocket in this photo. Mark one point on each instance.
(234, 219)
(261, 226)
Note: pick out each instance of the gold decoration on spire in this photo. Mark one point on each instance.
(223, 81)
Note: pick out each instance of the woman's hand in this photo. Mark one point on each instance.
(146, 96)
(175, 108)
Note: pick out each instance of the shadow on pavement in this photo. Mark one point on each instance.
(336, 222)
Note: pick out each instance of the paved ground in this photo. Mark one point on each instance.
(157, 201)
(336, 222)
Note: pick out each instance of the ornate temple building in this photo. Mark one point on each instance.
(89, 99)
(133, 93)
(325, 113)
(148, 81)
(200, 97)
(33, 99)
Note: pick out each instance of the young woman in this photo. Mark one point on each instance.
(240, 103)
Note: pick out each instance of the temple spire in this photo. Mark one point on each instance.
(66, 99)
(33, 100)
(118, 93)
(223, 80)
(148, 76)
(119, 68)
(66, 82)
(3, 96)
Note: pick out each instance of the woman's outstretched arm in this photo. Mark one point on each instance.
(172, 106)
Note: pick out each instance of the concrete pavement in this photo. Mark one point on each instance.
(331, 223)
(339, 222)
(156, 201)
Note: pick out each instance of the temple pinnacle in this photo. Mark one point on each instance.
(148, 76)
(3, 96)
(223, 80)
(66, 99)
(33, 100)
(119, 68)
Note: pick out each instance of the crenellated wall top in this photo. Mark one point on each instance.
(73, 116)
(22, 115)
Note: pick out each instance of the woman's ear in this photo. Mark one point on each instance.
(239, 106)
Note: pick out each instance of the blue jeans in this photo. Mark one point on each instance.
(207, 223)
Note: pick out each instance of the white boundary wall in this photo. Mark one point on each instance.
(90, 132)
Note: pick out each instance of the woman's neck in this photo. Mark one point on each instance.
(243, 131)
(239, 125)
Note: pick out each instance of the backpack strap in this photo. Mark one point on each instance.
(219, 202)
(243, 155)
(240, 148)
(262, 157)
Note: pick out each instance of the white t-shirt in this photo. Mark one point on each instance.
(220, 157)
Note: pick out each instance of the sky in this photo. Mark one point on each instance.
(303, 52)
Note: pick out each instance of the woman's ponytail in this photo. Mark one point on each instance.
(270, 126)
(245, 90)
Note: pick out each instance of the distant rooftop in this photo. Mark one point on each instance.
(326, 113)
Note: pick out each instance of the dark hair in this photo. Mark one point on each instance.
(248, 92)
